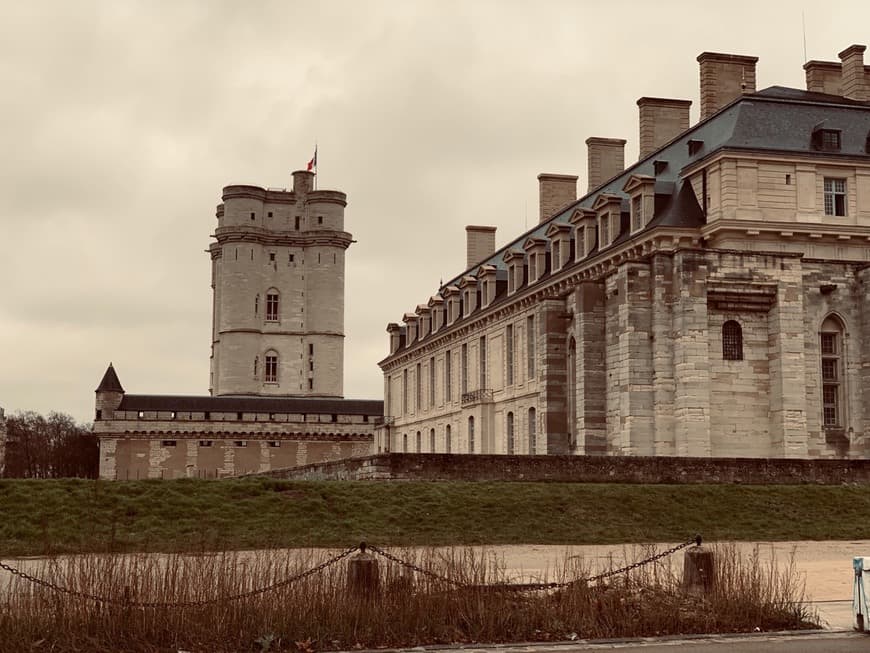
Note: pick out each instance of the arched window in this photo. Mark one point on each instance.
(271, 367)
(831, 348)
(509, 421)
(732, 341)
(272, 306)
(419, 442)
(405, 443)
(432, 441)
(532, 432)
(447, 443)
(471, 435)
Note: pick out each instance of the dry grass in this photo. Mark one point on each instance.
(319, 613)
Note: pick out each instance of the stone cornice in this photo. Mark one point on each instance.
(283, 332)
(814, 159)
(247, 234)
(813, 230)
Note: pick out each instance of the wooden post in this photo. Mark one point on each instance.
(363, 579)
(699, 571)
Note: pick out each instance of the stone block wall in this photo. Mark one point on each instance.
(585, 469)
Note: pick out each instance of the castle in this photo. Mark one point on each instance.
(277, 354)
(710, 299)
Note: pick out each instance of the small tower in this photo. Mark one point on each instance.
(109, 395)
(278, 284)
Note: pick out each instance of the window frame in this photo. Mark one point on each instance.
(830, 193)
(732, 341)
(270, 369)
(273, 306)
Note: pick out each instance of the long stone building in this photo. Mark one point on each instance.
(277, 361)
(710, 299)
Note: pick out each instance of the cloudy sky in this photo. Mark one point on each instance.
(122, 121)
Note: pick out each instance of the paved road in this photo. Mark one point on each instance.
(817, 642)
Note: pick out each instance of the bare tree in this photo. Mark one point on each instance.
(49, 447)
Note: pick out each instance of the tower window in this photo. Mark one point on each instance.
(272, 307)
(732, 341)
(253, 216)
(835, 196)
(319, 219)
(271, 256)
(270, 214)
(291, 258)
(831, 346)
(257, 305)
(256, 365)
(271, 368)
(296, 223)
(311, 349)
(311, 384)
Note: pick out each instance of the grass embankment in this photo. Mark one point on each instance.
(48, 516)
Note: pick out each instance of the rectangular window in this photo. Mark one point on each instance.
(636, 212)
(311, 349)
(431, 381)
(511, 273)
(205, 443)
(448, 381)
(271, 369)
(168, 443)
(530, 345)
(482, 355)
(240, 443)
(556, 254)
(274, 444)
(272, 307)
(311, 384)
(464, 368)
(580, 244)
(830, 346)
(509, 352)
(533, 267)
(604, 238)
(835, 196)
(418, 397)
(405, 392)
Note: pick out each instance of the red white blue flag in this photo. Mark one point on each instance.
(312, 164)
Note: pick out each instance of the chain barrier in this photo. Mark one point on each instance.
(507, 587)
(532, 587)
(178, 604)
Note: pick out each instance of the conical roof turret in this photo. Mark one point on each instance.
(110, 382)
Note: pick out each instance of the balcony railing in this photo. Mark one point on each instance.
(386, 420)
(482, 396)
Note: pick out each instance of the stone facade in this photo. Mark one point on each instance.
(277, 361)
(708, 301)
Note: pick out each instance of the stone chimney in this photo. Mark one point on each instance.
(854, 79)
(606, 159)
(555, 192)
(824, 77)
(724, 77)
(661, 120)
(480, 243)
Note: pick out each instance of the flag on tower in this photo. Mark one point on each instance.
(312, 164)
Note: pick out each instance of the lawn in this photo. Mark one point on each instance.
(64, 516)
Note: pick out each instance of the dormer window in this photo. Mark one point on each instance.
(659, 166)
(469, 294)
(641, 189)
(637, 213)
(556, 258)
(604, 230)
(536, 251)
(512, 270)
(583, 220)
(695, 146)
(580, 242)
(559, 234)
(827, 140)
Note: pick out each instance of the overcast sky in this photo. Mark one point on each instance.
(122, 121)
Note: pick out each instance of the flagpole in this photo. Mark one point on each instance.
(316, 162)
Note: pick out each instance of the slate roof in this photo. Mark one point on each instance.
(110, 382)
(244, 404)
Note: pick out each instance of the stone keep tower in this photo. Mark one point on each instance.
(278, 283)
